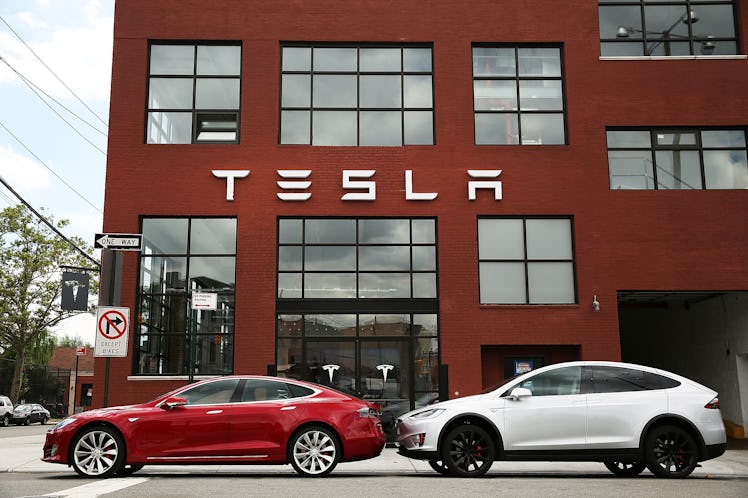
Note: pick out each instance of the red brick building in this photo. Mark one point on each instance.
(408, 199)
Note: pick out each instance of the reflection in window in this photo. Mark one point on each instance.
(667, 28)
(181, 256)
(367, 258)
(677, 159)
(193, 93)
(518, 95)
(338, 96)
(526, 261)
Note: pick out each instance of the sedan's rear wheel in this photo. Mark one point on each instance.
(626, 469)
(314, 451)
(98, 452)
(670, 452)
(468, 451)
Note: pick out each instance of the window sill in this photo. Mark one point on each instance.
(672, 57)
(529, 306)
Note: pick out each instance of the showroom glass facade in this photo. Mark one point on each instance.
(357, 308)
(181, 256)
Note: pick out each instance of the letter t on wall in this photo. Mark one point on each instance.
(230, 175)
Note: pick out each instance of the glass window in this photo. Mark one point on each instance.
(364, 258)
(211, 393)
(561, 381)
(181, 256)
(526, 261)
(667, 28)
(193, 93)
(618, 379)
(685, 159)
(518, 95)
(347, 96)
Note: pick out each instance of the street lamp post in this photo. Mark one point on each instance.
(666, 36)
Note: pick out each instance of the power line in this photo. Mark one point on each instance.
(53, 73)
(50, 225)
(33, 86)
(52, 108)
(50, 169)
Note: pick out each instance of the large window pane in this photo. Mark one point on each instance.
(329, 285)
(542, 129)
(384, 258)
(548, 239)
(494, 61)
(424, 285)
(172, 59)
(335, 59)
(165, 235)
(417, 91)
(500, 129)
(417, 60)
(384, 285)
(502, 283)
(163, 274)
(297, 58)
(218, 60)
(380, 91)
(334, 128)
(296, 90)
(541, 95)
(295, 126)
(550, 283)
(170, 93)
(381, 128)
(213, 236)
(419, 127)
(384, 231)
(169, 127)
(678, 170)
(379, 60)
(334, 91)
(317, 258)
(424, 258)
(495, 95)
(329, 325)
(726, 169)
(631, 170)
(212, 274)
(501, 239)
(539, 62)
(329, 231)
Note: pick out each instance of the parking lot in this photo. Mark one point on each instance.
(387, 475)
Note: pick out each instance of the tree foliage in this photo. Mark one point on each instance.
(30, 286)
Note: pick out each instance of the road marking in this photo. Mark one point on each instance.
(99, 488)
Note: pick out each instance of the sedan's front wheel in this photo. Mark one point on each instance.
(670, 452)
(98, 452)
(314, 451)
(468, 451)
(626, 469)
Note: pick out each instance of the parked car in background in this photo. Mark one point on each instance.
(629, 417)
(226, 420)
(6, 411)
(29, 413)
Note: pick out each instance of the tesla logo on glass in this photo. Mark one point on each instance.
(295, 184)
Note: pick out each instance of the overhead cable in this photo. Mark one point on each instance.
(53, 73)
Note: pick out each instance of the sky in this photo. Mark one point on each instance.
(55, 164)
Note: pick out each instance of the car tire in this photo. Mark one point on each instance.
(5, 422)
(128, 470)
(671, 452)
(439, 466)
(98, 452)
(314, 451)
(25, 421)
(43, 421)
(468, 451)
(625, 469)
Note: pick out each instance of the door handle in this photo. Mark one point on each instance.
(214, 412)
(285, 408)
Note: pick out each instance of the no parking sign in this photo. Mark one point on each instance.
(112, 326)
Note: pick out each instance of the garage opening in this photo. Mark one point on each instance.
(702, 335)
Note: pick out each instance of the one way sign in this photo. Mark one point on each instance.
(118, 241)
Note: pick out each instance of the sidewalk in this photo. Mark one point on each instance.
(22, 454)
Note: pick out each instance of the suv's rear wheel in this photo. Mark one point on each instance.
(625, 469)
(670, 451)
(5, 420)
(468, 451)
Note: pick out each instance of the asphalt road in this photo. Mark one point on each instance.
(388, 475)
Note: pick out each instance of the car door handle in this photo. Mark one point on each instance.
(288, 408)
(214, 412)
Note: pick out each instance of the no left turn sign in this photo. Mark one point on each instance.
(112, 325)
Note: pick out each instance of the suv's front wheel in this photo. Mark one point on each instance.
(468, 451)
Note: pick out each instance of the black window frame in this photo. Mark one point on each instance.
(517, 78)
(197, 115)
(358, 108)
(655, 147)
(660, 38)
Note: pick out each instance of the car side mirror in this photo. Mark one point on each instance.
(173, 402)
(519, 393)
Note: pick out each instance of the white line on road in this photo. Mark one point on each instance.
(99, 488)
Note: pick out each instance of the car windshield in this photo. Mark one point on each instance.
(23, 408)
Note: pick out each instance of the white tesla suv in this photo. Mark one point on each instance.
(629, 417)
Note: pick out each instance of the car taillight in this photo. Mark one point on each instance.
(367, 412)
(713, 404)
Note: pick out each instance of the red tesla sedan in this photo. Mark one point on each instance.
(226, 420)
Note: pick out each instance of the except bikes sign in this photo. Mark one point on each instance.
(112, 326)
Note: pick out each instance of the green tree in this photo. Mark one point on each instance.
(30, 287)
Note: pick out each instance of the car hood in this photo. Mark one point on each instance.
(109, 412)
(446, 405)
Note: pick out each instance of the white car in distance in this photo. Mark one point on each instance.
(629, 417)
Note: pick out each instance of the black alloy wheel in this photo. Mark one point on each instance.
(468, 451)
(625, 469)
(670, 452)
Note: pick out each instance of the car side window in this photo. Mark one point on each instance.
(561, 381)
(299, 391)
(619, 379)
(265, 390)
(212, 393)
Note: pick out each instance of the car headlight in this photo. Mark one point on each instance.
(63, 423)
(434, 412)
